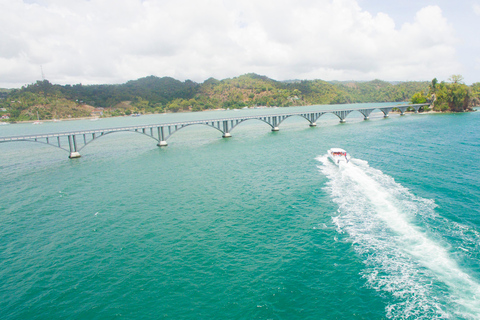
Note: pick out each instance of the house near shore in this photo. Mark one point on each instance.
(97, 112)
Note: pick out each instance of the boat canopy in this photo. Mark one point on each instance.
(338, 152)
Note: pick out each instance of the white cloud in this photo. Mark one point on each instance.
(476, 9)
(111, 41)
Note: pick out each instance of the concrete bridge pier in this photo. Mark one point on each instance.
(274, 121)
(386, 111)
(161, 137)
(225, 129)
(402, 110)
(72, 143)
(342, 114)
(366, 113)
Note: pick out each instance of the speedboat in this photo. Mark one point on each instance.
(338, 155)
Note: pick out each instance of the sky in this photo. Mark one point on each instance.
(113, 41)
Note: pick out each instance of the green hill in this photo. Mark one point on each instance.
(153, 94)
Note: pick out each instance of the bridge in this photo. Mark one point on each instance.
(73, 142)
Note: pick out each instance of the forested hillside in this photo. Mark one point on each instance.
(452, 96)
(153, 94)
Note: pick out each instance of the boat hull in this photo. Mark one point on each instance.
(338, 156)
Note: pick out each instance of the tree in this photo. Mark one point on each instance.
(456, 78)
(458, 97)
(433, 86)
(419, 98)
(174, 106)
(454, 96)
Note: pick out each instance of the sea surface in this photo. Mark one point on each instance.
(258, 226)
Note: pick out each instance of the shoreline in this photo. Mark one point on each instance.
(93, 118)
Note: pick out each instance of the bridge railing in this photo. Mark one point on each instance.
(225, 125)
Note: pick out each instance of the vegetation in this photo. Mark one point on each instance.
(157, 95)
(452, 96)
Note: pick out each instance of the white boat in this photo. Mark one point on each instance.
(338, 155)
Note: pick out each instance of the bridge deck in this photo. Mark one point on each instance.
(74, 141)
(185, 123)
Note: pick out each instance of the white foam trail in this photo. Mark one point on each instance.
(379, 216)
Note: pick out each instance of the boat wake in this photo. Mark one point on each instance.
(403, 259)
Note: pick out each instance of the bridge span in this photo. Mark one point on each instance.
(73, 142)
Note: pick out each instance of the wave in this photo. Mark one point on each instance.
(411, 263)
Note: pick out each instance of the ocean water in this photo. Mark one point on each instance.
(258, 226)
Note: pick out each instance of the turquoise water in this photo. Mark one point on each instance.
(257, 226)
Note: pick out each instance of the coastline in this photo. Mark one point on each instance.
(93, 118)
